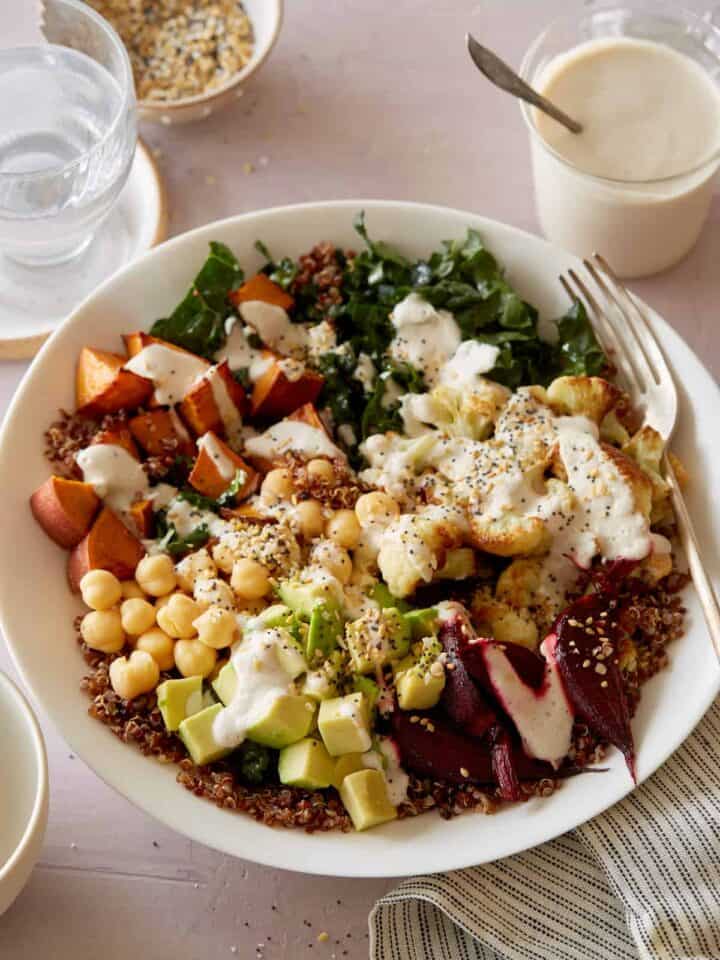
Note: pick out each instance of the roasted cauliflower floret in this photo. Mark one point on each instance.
(590, 397)
(681, 472)
(496, 619)
(457, 412)
(612, 430)
(636, 478)
(519, 582)
(646, 448)
(414, 547)
(507, 535)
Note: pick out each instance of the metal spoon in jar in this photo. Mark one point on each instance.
(503, 76)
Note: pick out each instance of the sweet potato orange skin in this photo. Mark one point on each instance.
(274, 396)
(199, 409)
(307, 413)
(120, 436)
(102, 386)
(65, 509)
(156, 433)
(138, 340)
(144, 519)
(108, 545)
(262, 288)
(206, 477)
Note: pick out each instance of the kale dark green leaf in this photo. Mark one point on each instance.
(577, 350)
(198, 322)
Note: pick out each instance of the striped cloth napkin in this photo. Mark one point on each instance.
(640, 881)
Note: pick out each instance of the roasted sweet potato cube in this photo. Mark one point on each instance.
(161, 432)
(102, 386)
(275, 396)
(137, 341)
(108, 545)
(206, 475)
(65, 509)
(143, 517)
(262, 288)
(120, 436)
(307, 413)
(199, 407)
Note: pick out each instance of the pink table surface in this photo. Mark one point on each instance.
(358, 100)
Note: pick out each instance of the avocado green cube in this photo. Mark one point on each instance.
(320, 684)
(377, 638)
(196, 732)
(178, 699)
(302, 598)
(365, 797)
(225, 683)
(416, 687)
(380, 593)
(287, 719)
(326, 628)
(369, 687)
(422, 623)
(345, 765)
(344, 724)
(290, 654)
(306, 764)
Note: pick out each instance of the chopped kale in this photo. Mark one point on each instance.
(176, 545)
(227, 497)
(198, 322)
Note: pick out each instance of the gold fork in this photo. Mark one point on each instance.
(624, 332)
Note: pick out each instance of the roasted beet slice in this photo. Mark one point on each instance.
(461, 699)
(583, 644)
(503, 764)
(431, 747)
(529, 666)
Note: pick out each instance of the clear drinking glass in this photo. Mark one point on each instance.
(67, 136)
(642, 227)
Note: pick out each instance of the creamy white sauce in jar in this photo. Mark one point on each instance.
(173, 372)
(114, 474)
(651, 116)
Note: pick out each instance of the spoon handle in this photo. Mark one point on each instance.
(503, 76)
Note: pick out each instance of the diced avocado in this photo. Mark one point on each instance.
(196, 732)
(365, 797)
(459, 564)
(225, 683)
(422, 623)
(418, 682)
(326, 628)
(344, 724)
(277, 615)
(321, 684)
(287, 719)
(348, 763)
(208, 698)
(306, 764)
(289, 653)
(377, 638)
(380, 593)
(178, 699)
(302, 598)
(369, 687)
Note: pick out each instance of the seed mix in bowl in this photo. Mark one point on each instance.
(181, 49)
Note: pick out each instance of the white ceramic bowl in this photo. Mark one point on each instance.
(266, 17)
(38, 623)
(23, 792)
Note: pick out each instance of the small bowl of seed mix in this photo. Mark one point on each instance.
(192, 57)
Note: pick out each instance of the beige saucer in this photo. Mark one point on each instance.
(35, 303)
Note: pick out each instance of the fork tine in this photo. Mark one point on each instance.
(603, 331)
(614, 314)
(643, 331)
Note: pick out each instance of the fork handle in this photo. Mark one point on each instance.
(688, 537)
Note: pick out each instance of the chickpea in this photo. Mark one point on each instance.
(131, 590)
(194, 659)
(224, 556)
(102, 630)
(137, 616)
(216, 628)
(343, 529)
(100, 589)
(160, 647)
(214, 592)
(277, 486)
(250, 579)
(309, 518)
(156, 574)
(195, 566)
(176, 617)
(376, 507)
(334, 559)
(321, 470)
(162, 602)
(134, 675)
